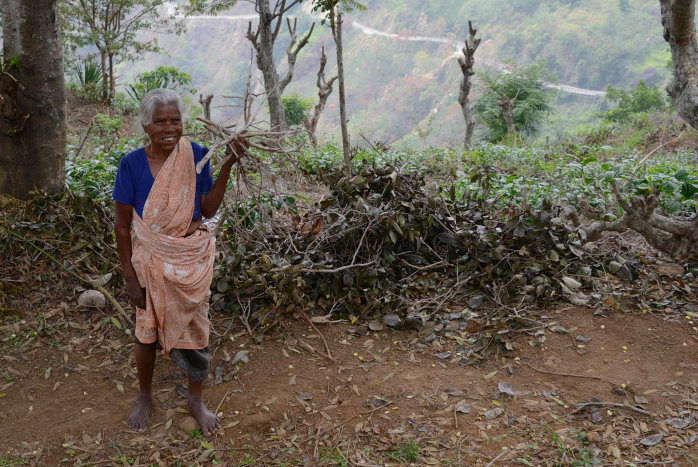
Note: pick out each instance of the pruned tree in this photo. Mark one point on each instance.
(507, 104)
(333, 14)
(676, 237)
(324, 90)
(112, 26)
(467, 62)
(263, 39)
(680, 32)
(206, 105)
(32, 98)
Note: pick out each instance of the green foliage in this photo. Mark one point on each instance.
(161, 77)
(107, 127)
(564, 175)
(331, 7)
(95, 176)
(638, 100)
(113, 27)
(524, 84)
(295, 109)
(408, 451)
(89, 81)
(90, 73)
(426, 161)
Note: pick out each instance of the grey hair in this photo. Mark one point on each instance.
(155, 98)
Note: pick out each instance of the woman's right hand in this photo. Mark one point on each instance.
(136, 293)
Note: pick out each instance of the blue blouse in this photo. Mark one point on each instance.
(134, 180)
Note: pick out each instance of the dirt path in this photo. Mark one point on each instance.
(387, 399)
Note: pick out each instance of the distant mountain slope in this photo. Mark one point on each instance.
(394, 84)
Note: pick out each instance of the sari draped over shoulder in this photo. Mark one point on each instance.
(175, 270)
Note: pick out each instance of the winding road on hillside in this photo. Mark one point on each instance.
(458, 45)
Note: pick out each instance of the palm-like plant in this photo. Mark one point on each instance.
(89, 75)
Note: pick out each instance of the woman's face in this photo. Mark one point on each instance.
(165, 129)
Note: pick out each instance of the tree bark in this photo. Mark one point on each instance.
(507, 106)
(336, 25)
(680, 33)
(263, 41)
(324, 91)
(33, 109)
(467, 61)
(675, 237)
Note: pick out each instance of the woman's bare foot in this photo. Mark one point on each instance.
(138, 420)
(208, 420)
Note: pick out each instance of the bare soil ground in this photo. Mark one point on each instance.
(68, 384)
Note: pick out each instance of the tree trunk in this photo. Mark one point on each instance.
(346, 146)
(324, 91)
(112, 79)
(680, 33)
(264, 45)
(33, 109)
(206, 105)
(467, 61)
(507, 106)
(105, 75)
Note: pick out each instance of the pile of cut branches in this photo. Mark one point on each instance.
(381, 244)
(56, 234)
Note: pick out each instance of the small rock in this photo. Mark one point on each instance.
(670, 269)
(582, 338)
(614, 267)
(392, 320)
(427, 329)
(505, 388)
(182, 391)
(92, 299)
(303, 396)
(241, 356)
(621, 259)
(375, 325)
(493, 413)
(452, 316)
(218, 379)
(442, 355)
(476, 301)
(430, 338)
(584, 271)
(596, 417)
(593, 436)
(625, 273)
(652, 439)
(415, 320)
(463, 408)
(641, 400)
(571, 284)
(454, 392)
(188, 424)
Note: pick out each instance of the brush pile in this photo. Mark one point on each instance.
(381, 244)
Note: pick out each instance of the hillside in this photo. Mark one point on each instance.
(408, 75)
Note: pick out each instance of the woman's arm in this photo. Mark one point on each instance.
(122, 229)
(212, 200)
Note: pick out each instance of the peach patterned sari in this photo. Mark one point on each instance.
(176, 271)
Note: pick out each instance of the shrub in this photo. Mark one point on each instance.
(638, 100)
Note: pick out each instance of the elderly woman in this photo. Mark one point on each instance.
(168, 257)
